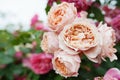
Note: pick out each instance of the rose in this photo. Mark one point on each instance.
(60, 15)
(18, 54)
(111, 74)
(49, 43)
(34, 20)
(20, 77)
(79, 36)
(41, 26)
(80, 4)
(108, 36)
(116, 26)
(66, 65)
(39, 63)
(105, 47)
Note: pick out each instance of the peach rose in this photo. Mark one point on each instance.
(93, 54)
(49, 43)
(66, 65)
(108, 36)
(79, 36)
(105, 48)
(60, 15)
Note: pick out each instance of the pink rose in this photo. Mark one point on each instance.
(38, 25)
(78, 36)
(34, 20)
(108, 42)
(80, 4)
(20, 78)
(49, 43)
(111, 74)
(105, 47)
(116, 26)
(60, 15)
(34, 44)
(39, 63)
(41, 26)
(18, 54)
(66, 65)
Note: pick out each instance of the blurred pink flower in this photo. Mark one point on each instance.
(20, 78)
(39, 63)
(34, 44)
(34, 20)
(2, 66)
(110, 13)
(41, 26)
(37, 24)
(80, 4)
(116, 26)
(50, 2)
(111, 74)
(18, 54)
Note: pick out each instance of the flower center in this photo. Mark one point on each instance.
(60, 66)
(78, 36)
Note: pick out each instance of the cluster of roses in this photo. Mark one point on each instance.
(72, 36)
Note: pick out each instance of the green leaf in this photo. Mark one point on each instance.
(95, 13)
(17, 69)
(25, 50)
(118, 3)
(47, 9)
(117, 46)
(98, 1)
(10, 51)
(58, 77)
(4, 59)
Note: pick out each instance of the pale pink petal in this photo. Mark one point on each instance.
(65, 64)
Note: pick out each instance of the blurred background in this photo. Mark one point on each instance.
(21, 11)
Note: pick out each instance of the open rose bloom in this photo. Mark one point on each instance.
(79, 35)
(73, 36)
(60, 15)
(39, 63)
(65, 64)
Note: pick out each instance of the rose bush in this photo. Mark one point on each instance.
(79, 41)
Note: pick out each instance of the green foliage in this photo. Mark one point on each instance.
(118, 3)
(47, 9)
(95, 13)
(9, 64)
